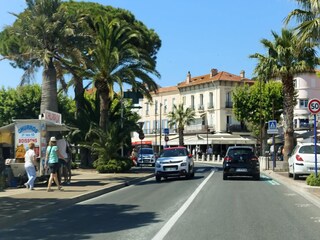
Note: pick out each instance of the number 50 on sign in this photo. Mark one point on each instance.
(314, 106)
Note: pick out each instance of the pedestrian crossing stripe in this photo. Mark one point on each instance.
(270, 180)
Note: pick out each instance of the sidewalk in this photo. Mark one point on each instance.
(19, 204)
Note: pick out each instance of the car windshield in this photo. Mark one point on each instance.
(174, 152)
(146, 151)
(309, 149)
(240, 152)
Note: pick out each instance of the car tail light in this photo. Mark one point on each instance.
(227, 159)
(254, 158)
(299, 158)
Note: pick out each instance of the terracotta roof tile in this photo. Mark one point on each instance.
(220, 76)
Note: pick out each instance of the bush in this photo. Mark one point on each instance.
(312, 180)
(113, 166)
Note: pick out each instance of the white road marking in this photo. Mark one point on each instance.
(302, 205)
(273, 182)
(166, 228)
(290, 194)
(315, 219)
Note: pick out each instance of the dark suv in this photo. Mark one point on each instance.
(241, 161)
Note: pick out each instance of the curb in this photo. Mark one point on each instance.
(64, 203)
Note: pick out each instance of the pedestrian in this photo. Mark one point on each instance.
(30, 166)
(52, 161)
(65, 163)
(134, 156)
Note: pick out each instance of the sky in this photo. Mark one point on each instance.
(196, 35)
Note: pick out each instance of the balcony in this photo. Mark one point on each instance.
(229, 104)
(210, 106)
(237, 128)
(201, 108)
(198, 128)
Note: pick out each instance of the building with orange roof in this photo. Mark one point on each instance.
(210, 97)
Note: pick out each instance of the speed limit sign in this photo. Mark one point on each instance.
(314, 106)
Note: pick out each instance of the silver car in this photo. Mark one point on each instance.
(146, 156)
(302, 160)
(174, 162)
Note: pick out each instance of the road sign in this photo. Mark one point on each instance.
(166, 131)
(272, 124)
(166, 138)
(314, 106)
(272, 127)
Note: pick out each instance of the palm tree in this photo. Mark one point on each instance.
(286, 56)
(118, 59)
(180, 118)
(45, 35)
(308, 17)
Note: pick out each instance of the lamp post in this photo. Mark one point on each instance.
(155, 127)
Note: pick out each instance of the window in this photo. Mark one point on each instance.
(155, 107)
(201, 99)
(147, 109)
(303, 103)
(165, 105)
(210, 105)
(173, 103)
(192, 102)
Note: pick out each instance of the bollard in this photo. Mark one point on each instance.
(202, 157)
(213, 158)
(219, 158)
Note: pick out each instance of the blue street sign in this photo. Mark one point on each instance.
(166, 131)
(272, 124)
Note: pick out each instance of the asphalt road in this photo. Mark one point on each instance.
(205, 207)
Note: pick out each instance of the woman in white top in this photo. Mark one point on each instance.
(29, 165)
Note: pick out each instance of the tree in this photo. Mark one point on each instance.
(286, 56)
(118, 59)
(24, 103)
(180, 118)
(308, 17)
(42, 36)
(245, 99)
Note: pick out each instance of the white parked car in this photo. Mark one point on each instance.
(174, 162)
(302, 160)
(146, 156)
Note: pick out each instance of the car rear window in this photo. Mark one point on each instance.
(174, 152)
(146, 151)
(309, 149)
(237, 152)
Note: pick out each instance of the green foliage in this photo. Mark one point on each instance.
(312, 180)
(179, 118)
(257, 104)
(113, 165)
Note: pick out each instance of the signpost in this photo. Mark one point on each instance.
(314, 108)
(273, 129)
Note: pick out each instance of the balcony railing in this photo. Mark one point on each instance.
(229, 104)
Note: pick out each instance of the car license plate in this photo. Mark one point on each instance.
(241, 170)
(170, 169)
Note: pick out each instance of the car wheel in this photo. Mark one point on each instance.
(225, 176)
(295, 176)
(158, 178)
(290, 175)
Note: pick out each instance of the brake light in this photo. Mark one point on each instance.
(254, 158)
(227, 159)
(298, 158)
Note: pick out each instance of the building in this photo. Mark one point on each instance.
(210, 96)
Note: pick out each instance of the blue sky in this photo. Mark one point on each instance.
(196, 35)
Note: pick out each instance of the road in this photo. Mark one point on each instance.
(205, 207)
